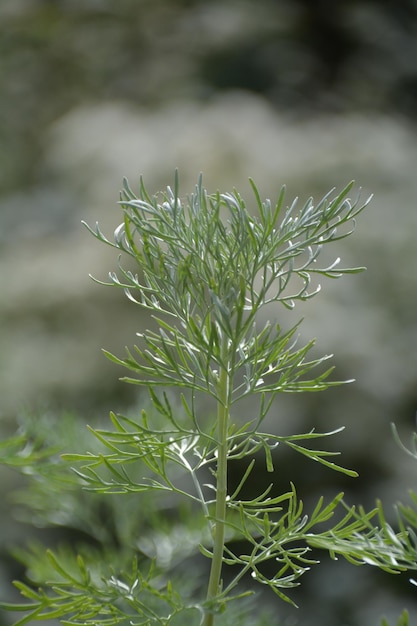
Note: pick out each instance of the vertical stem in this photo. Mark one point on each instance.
(223, 409)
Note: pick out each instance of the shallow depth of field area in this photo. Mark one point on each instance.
(284, 92)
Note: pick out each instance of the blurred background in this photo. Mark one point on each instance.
(308, 93)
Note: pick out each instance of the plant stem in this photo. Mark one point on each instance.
(223, 409)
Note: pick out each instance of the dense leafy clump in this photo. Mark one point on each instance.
(205, 266)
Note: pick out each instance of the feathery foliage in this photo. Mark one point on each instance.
(205, 267)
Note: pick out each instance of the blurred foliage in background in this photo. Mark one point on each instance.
(299, 55)
(306, 93)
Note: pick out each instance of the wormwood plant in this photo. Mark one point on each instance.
(205, 267)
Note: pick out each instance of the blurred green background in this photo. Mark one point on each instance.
(307, 93)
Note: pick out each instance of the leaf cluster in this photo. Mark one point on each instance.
(275, 528)
(79, 594)
(205, 268)
(211, 266)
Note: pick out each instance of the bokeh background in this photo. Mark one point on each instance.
(307, 93)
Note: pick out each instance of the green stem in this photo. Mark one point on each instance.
(223, 412)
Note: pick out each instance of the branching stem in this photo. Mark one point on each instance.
(223, 411)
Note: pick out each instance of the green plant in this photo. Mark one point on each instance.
(206, 269)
